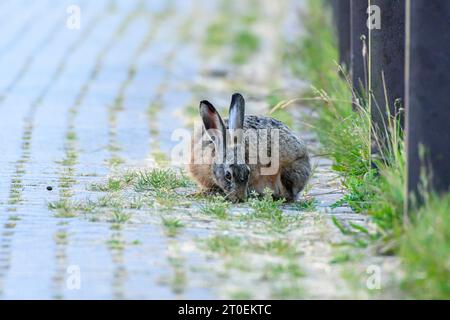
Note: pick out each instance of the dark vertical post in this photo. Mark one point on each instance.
(359, 36)
(387, 61)
(341, 11)
(428, 95)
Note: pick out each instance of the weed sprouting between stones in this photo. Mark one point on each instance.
(172, 226)
(224, 244)
(167, 200)
(115, 161)
(119, 216)
(276, 271)
(179, 280)
(65, 208)
(116, 244)
(107, 201)
(112, 185)
(217, 207)
(160, 179)
(306, 204)
(267, 209)
(277, 247)
(153, 180)
(241, 295)
(274, 262)
(234, 245)
(61, 237)
(115, 183)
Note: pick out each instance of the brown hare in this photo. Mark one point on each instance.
(222, 167)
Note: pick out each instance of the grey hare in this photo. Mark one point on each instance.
(286, 173)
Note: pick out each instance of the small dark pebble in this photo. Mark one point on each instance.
(217, 73)
(49, 188)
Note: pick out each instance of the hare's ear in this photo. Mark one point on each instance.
(213, 123)
(237, 112)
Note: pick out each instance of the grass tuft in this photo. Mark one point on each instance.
(306, 204)
(160, 179)
(224, 244)
(66, 208)
(172, 226)
(268, 209)
(217, 207)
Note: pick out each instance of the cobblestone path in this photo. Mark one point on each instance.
(80, 109)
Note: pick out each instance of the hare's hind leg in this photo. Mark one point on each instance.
(295, 177)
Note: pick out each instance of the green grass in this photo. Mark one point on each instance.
(425, 250)
(265, 208)
(178, 280)
(64, 208)
(241, 295)
(70, 158)
(217, 207)
(306, 204)
(232, 246)
(160, 179)
(119, 216)
(109, 200)
(116, 183)
(71, 135)
(343, 133)
(61, 237)
(224, 244)
(112, 185)
(161, 158)
(278, 247)
(292, 291)
(116, 244)
(274, 272)
(136, 202)
(172, 226)
(136, 191)
(168, 200)
(341, 257)
(115, 161)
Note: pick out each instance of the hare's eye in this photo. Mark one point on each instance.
(228, 175)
